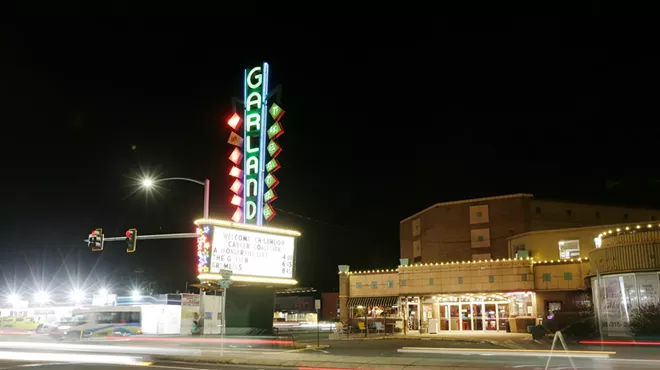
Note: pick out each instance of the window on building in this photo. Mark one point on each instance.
(569, 248)
(390, 283)
(568, 276)
(547, 276)
(417, 249)
(358, 285)
(431, 281)
(403, 282)
(538, 210)
(374, 284)
(491, 279)
(480, 238)
(597, 215)
(524, 277)
(553, 307)
(479, 214)
(460, 280)
(416, 227)
(625, 217)
(569, 212)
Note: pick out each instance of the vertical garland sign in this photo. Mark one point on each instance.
(253, 171)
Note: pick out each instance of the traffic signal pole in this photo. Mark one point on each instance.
(152, 237)
(207, 186)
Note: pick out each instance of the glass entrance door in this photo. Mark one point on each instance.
(454, 317)
(490, 316)
(444, 317)
(478, 312)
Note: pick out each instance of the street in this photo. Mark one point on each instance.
(6, 365)
(261, 353)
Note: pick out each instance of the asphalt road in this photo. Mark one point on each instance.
(447, 361)
(18, 365)
(628, 358)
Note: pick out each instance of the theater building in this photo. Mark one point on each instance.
(499, 263)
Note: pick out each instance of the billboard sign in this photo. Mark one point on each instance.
(252, 253)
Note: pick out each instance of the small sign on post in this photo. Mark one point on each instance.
(225, 283)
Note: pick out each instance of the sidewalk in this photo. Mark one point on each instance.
(510, 340)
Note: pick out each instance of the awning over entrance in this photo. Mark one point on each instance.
(372, 301)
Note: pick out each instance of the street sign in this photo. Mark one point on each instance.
(226, 274)
(224, 283)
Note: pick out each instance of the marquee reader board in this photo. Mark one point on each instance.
(253, 253)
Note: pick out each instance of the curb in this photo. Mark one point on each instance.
(308, 348)
(502, 344)
(306, 364)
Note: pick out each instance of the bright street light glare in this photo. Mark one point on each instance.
(135, 294)
(103, 291)
(147, 183)
(14, 299)
(77, 295)
(41, 297)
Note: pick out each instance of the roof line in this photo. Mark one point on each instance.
(519, 195)
(608, 226)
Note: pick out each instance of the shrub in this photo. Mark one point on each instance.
(645, 320)
(580, 323)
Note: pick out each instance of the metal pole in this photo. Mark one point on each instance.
(151, 237)
(224, 308)
(318, 330)
(207, 185)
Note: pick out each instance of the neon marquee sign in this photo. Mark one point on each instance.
(204, 240)
(254, 184)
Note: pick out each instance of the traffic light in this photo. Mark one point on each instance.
(96, 240)
(131, 240)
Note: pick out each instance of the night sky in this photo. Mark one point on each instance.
(381, 122)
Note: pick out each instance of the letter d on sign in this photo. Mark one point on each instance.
(250, 210)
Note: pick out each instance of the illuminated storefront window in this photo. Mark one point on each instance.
(569, 248)
(616, 297)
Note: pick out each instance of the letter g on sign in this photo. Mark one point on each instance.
(254, 78)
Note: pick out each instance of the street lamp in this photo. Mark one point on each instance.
(77, 296)
(42, 297)
(14, 300)
(149, 183)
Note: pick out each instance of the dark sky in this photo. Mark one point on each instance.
(382, 121)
